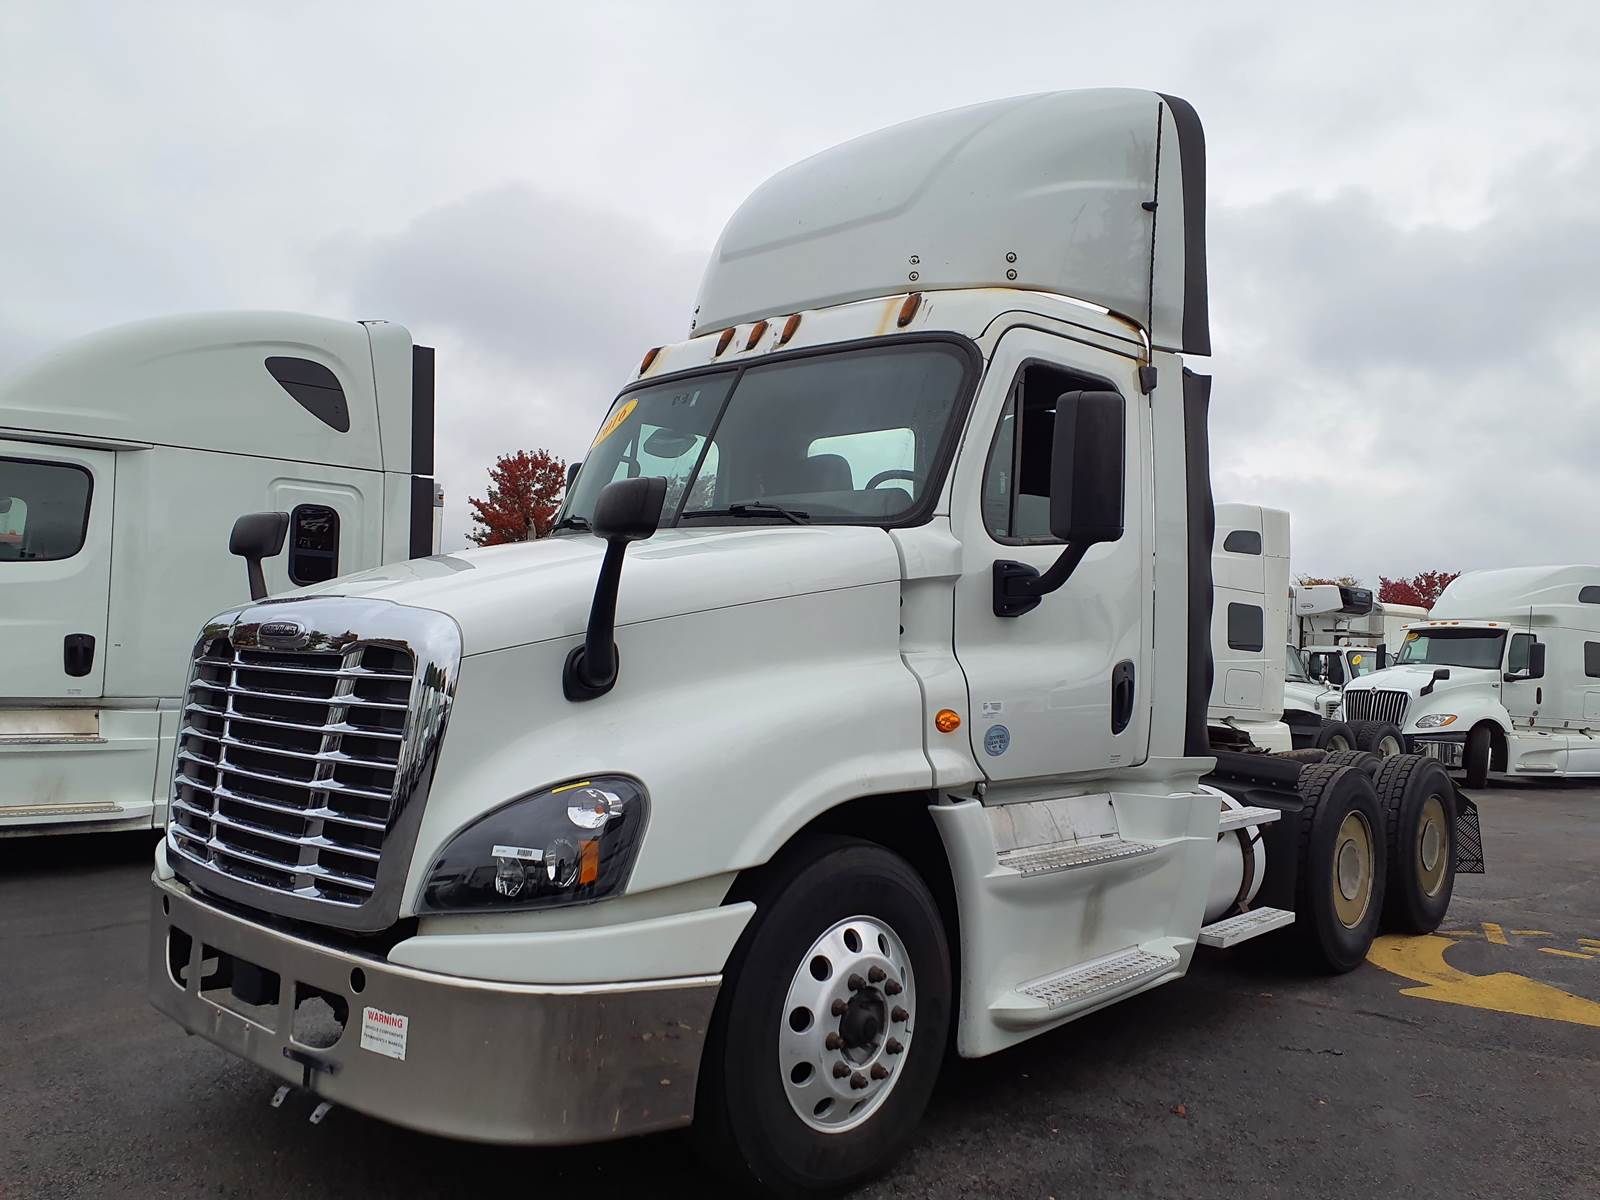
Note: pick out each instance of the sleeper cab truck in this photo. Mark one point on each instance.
(1503, 677)
(125, 459)
(855, 709)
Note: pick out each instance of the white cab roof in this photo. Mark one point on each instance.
(1098, 195)
(1553, 593)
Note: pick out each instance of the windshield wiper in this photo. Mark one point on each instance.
(753, 508)
(571, 522)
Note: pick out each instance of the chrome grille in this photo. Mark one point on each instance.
(1372, 704)
(294, 765)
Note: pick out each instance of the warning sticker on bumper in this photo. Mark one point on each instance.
(384, 1032)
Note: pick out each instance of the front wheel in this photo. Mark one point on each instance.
(1479, 745)
(830, 1026)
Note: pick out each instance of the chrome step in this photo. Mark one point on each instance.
(94, 808)
(1232, 930)
(1064, 856)
(1239, 818)
(1046, 999)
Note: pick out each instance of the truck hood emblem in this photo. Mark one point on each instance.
(282, 635)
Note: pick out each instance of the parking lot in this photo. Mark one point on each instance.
(1466, 1064)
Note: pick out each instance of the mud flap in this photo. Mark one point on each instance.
(1469, 837)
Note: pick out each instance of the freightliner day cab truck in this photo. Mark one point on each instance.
(855, 710)
(125, 459)
(1503, 677)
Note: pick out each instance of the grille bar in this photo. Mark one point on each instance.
(328, 756)
(294, 697)
(333, 727)
(325, 814)
(311, 785)
(341, 673)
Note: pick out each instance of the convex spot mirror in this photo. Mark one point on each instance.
(669, 443)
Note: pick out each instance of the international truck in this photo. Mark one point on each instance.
(125, 459)
(854, 713)
(1344, 633)
(1503, 678)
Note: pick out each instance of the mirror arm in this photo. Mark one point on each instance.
(591, 669)
(1018, 587)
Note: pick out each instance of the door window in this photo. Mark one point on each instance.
(1517, 655)
(44, 509)
(1326, 664)
(1016, 481)
(1246, 630)
(1591, 659)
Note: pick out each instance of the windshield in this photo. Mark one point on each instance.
(1294, 668)
(1453, 647)
(1362, 662)
(853, 437)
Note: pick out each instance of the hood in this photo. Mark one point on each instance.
(533, 591)
(1412, 679)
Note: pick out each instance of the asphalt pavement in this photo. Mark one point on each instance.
(1248, 1078)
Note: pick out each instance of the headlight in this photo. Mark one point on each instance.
(1435, 720)
(564, 845)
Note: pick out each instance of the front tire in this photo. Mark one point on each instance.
(830, 1026)
(1480, 745)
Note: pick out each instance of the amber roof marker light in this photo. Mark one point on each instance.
(909, 309)
(789, 327)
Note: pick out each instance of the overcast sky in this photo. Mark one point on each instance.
(1404, 211)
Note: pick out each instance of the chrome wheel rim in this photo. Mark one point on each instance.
(1352, 870)
(1388, 746)
(847, 1024)
(1433, 846)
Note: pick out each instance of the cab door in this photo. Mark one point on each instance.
(1059, 690)
(55, 569)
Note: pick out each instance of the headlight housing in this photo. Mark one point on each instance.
(1435, 720)
(569, 844)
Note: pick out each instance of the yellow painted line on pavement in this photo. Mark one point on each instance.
(1531, 933)
(1421, 959)
(1567, 953)
(1495, 934)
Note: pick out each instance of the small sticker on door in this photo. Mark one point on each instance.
(993, 708)
(384, 1032)
(996, 740)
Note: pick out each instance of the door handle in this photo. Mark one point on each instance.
(1121, 695)
(77, 654)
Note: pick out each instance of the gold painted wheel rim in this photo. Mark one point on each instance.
(1433, 846)
(1352, 870)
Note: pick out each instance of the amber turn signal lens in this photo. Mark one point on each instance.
(755, 335)
(650, 357)
(722, 342)
(947, 720)
(909, 309)
(789, 326)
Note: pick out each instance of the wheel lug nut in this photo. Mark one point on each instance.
(833, 1042)
(876, 975)
(900, 1014)
(879, 1071)
(892, 988)
(855, 983)
(858, 1081)
(840, 1070)
(892, 1046)
(839, 1007)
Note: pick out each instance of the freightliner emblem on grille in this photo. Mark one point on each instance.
(282, 635)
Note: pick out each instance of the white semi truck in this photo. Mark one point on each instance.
(855, 711)
(1502, 678)
(125, 459)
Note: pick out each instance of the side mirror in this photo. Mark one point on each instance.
(1383, 656)
(628, 510)
(257, 536)
(572, 473)
(1086, 496)
(1439, 675)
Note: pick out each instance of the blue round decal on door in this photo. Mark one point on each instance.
(996, 740)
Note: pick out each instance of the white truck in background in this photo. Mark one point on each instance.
(125, 459)
(1343, 632)
(891, 740)
(1502, 678)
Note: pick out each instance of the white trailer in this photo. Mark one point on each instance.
(1502, 678)
(125, 459)
(891, 738)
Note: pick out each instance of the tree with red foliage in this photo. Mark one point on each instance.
(1421, 590)
(525, 491)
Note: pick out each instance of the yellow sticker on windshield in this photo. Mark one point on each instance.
(1355, 660)
(613, 423)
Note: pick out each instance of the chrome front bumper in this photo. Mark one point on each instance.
(1449, 749)
(482, 1061)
